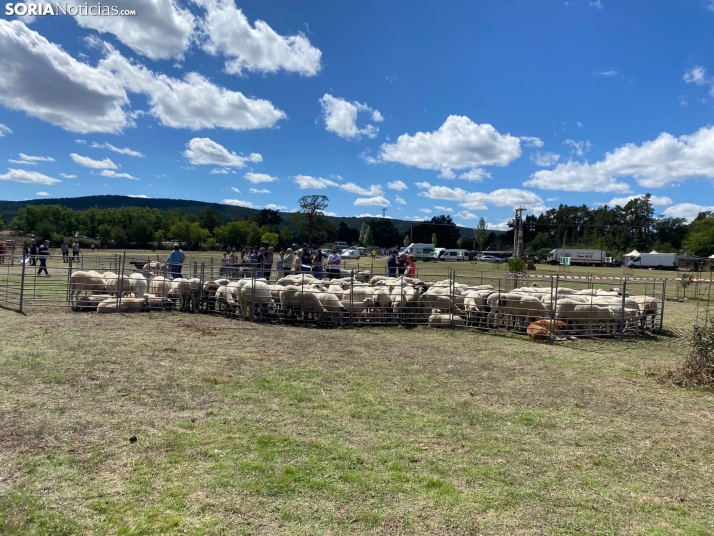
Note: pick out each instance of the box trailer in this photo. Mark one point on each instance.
(425, 252)
(583, 257)
(658, 261)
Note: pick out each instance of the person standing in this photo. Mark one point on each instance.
(306, 260)
(260, 262)
(333, 264)
(64, 248)
(224, 270)
(288, 260)
(268, 262)
(43, 252)
(411, 267)
(280, 265)
(174, 261)
(392, 264)
(33, 253)
(374, 254)
(402, 264)
(75, 249)
(3, 251)
(317, 264)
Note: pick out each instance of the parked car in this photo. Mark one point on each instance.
(490, 258)
(351, 254)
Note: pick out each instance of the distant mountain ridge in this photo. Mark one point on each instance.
(9, 209)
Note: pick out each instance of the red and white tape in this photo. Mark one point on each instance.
(596, 277)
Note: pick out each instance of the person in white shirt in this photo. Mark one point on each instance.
(333, 264)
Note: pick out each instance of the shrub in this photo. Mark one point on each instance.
(698, 367)
(516, 265)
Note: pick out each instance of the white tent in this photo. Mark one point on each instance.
(632, 253)
(653, 251)
(711, 256)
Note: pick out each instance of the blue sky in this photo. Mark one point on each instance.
(466, 108)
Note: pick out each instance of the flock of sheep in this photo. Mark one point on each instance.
(358, 298)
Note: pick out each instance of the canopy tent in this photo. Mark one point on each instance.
(711, 256)
(632, 253)
(653, 251)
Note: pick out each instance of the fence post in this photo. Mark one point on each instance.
(622, 312)
(661, 312)
(22, 279)
(69, 280)
(253, 275)
(451, 299)
(551, 339)
(352, 296)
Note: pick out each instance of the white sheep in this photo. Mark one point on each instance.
(258, 293)
(160, 286)
(123, 305)
(437, 319)
(87, 282)
(138, 285)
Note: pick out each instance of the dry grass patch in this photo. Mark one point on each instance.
(260, 429)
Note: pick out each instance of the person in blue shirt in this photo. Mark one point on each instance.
(174, 260)
(392, 264)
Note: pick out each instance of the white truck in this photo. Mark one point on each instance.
(658, 261)
(582, 257)
(425, 252)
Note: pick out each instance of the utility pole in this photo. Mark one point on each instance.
(384, 212)
(518, 234)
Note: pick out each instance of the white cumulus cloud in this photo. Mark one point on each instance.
(114, 175)
(31, 177)
(194, 102)
(340, 117)
(139, 196)
(42, 80)
(458, 144)
(4, 130)
(220, 171)
(425, 210)
(273, 206)
(68, 176)
(126, 150)
(305, 181)
(373, 190)
(688, 211)
(257, 178)
(238, 203)
(397, 185)
(256, 191)
(43, 194)
(377, 201)
(161, 29)
(91, 163)
(578, 148)
(205, 151)
(531, 141)
(696, 75)
(545, 159)
(466, 215)
(656, 200)
(475, 175)
(503, 197)
(400, 200)
(227, 31)
(654, 164)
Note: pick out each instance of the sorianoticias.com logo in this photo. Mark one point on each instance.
(75, 10)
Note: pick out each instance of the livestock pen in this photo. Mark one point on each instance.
(546, 307)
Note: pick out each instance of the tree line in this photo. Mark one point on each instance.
(614, 229)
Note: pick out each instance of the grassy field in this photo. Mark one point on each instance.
(258, 429)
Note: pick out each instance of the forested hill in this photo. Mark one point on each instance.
(9, 209)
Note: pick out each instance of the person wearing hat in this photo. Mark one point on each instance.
(43, 252)
(174, 260)
(333, 264)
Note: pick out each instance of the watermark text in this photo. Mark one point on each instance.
(32, 9)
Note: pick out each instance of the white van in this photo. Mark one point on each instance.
(455, 255)
(425, 252)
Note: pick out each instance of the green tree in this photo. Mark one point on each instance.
(700, 239)
(406, 240)
(434, 239)
(191, 234)
(286, 237)
(312, 209)
(209, 218)
(158, 238)
(2, 222)
(271, 239)
(481, 233)
(104, 231)
(366, 238)
(460, 242)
